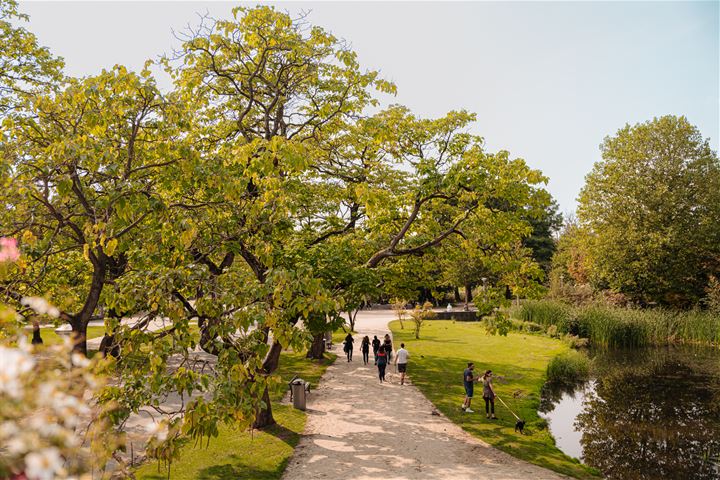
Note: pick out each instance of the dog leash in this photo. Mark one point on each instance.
(501, 401)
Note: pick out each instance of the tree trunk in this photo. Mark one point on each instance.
(78, 336)
(351, 317)
(264, 417)
(79, 322)
(36, 338)
(457, 295)
(468, 297)
(317, 348)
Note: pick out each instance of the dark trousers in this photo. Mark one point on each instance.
(349, 353)
(381, 372)
(366, 356)
(489, 405)
(375, 352)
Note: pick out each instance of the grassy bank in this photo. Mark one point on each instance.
(610, 327)
(519, 362)
(261, 455)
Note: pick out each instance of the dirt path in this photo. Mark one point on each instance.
(360, 429)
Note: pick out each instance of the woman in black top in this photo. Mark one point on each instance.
(365, 348)
(388, 347)
(376, 347)
(349, 346)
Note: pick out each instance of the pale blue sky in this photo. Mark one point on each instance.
(548, 80)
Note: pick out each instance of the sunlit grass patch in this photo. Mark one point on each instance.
(519, 362)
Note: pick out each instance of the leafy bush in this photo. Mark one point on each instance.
(533, 327)
(576, 342)
(552, 331)
(569, 368)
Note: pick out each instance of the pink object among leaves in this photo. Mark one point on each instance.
(8, 249)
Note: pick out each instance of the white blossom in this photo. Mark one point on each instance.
(40, 306)
(158, 430)
(14, 362)
(45, 464)
(80, 360)
(16, 445)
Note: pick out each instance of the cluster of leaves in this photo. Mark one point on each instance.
(242, 212)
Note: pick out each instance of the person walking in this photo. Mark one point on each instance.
(469, 381)
(388, 347)
(365, 349)
(489, 395)
(376, 347)
(401, 359)
(382, 360)
(349, 340)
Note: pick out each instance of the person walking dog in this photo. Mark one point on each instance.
(489, 395)
(469, 381)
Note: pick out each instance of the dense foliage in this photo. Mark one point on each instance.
(650, 214)
(252, 204)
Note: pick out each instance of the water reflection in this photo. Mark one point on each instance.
(649, 414)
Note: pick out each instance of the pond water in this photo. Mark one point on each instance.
(646, 414)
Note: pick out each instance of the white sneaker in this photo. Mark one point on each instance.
(467, 410)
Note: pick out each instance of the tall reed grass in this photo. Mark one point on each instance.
(612, 327)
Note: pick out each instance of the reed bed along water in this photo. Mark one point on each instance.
(613, 327)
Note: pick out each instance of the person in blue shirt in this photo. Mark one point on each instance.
(469, 381)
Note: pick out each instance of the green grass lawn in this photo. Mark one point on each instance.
(518, 362)
(51, 338)
(236, 454)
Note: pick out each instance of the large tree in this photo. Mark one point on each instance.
(652, 211)
(81, 174)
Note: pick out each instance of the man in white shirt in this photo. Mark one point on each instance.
(401, 358)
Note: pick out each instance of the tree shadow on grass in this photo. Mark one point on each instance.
(240, 469)
(283, 433)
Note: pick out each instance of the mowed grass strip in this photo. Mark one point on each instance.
(258, 454)
(518, 361)
(51, 338)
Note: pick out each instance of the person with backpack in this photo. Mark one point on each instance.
(376, 347)
(382, 361)
(365, 349)
(348, 349)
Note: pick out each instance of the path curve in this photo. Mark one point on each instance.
(360, 429)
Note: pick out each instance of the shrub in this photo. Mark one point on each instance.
(533, 327)
(552, 331)
(569, 368)
(576, 342)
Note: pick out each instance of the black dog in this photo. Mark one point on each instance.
(519, 425)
